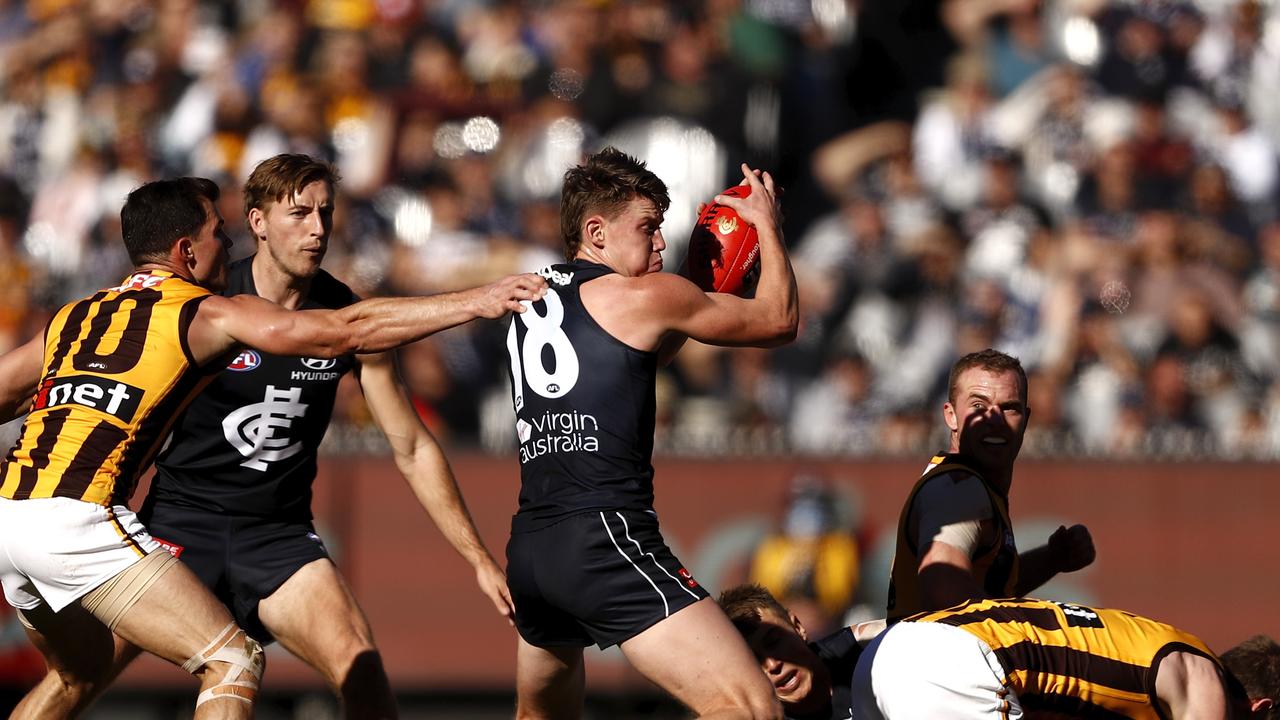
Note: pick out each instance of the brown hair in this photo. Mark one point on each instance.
(989, 360)
(283, 176)
(1255, 663)
(605, 183)
(746, 604)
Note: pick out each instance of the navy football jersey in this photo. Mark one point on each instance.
(247, 445)
(584, 406)
(839, 651)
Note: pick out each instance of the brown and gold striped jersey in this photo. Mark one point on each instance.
(117, 373)
(1073, 660)
(995, 567)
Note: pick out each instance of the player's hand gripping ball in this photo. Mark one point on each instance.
(724, 251)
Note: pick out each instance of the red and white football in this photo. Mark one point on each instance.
(724, 250)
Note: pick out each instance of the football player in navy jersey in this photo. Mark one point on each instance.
(232, 493)
(811, 678)
(586, 562)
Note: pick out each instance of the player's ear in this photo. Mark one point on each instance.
(186, 251)
(258, 223)
(593, 231)
(949, 416)
(799, 626)
(1261, 704)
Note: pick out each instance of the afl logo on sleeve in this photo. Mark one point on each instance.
(245, 361)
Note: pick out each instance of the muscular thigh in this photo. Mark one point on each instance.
(601, 577)
(315, 616)
(242, 560)
(701, 659)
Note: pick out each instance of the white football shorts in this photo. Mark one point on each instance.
(54, 550)
(925, 671)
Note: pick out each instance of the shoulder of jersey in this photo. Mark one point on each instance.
(239, 277)
(331, 292)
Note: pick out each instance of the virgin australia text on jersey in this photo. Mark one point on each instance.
(561, 432)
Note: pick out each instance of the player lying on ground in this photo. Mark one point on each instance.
(1006, 659)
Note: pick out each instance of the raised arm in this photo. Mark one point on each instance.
(423, 464)
(768, 319)
(373, 325)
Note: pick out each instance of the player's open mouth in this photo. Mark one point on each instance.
(994, 441)
(788, 682)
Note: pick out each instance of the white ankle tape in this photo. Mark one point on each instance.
(247, 661)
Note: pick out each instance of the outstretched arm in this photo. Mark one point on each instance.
(372, 325)
(424, 466)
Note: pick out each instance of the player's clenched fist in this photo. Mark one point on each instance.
(506, 295)
(1072, 547)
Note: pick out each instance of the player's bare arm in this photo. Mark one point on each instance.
(19, 374)
(1069, 549)
(657, 311)
(946, 576)
(772, 316)
(372, 325)
(424, 466)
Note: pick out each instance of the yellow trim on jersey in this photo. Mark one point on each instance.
(1062, 656)
(116, 372)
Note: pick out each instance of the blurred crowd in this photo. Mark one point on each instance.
(1090, 186)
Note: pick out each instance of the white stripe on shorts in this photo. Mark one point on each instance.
(666, 609)
(627, 528)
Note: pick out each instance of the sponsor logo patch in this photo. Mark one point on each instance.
(1079, 615)
(555, 276)
(114, 398)
(173, 549)
(320, 363)
(140, 281)
(688, 577)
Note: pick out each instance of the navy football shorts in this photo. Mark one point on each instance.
(599, 577)
(240, 559)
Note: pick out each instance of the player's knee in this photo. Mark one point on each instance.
(229, 668)
(361, 670)
(73, 688)
(755, 703)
